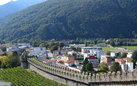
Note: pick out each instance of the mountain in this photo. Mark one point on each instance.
(14, 6)
(70, 19)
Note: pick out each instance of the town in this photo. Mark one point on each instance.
(74, 56)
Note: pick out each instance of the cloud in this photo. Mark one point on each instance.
(2, 2)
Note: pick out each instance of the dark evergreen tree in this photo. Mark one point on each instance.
(115, 67)
(85, 62)
(134, 55)
(89, 67)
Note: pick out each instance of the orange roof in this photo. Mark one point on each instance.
(127, 59)
(119, 60)
(70, 61)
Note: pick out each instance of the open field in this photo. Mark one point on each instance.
(21, 77)
(112, 49)
(130, 47)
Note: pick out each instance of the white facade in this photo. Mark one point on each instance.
(87, 49)
(12, 48)
(115, 54)
(129, 54)
(77, 45)
(97, 53)
(23, 45)
(40, 52)
(102, 58)
(128, 66)
(87, 55)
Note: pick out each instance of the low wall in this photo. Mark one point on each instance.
(72, 78)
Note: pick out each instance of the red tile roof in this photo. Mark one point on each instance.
(70, 61)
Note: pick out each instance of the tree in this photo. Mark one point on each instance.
(73, 48)
(134, 55)
(84, 64)
(104, 67)
(112, 43)
(10, 61)
(108, 52)
(124, 54)
(134, 63)
(3, 49)
(54, 47)
(89, 67)
(115, 67)
(42, 45)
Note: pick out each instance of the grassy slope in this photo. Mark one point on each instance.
(21, 77)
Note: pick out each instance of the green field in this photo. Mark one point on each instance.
(21, 77)
(130, 47)
(112, 49)
(108, 49)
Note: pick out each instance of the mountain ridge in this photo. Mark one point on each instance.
(71, 19)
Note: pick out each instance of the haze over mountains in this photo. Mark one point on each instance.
(17, 5)
(70, 19)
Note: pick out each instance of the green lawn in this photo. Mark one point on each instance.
(112, 49)
(130, 47)
(21, 77)
(108, 48)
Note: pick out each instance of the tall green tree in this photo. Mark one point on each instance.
(89, 67)
(134, 55)
(115, 67)
(108, 52)
(85, 62)
(124, 54)
(104, 67)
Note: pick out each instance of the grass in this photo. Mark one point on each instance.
(112, 49)
(130, 47)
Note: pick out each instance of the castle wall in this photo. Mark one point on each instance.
(73, 78)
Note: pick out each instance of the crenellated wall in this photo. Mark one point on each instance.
(74, 78)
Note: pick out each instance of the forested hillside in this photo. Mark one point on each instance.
(70, 19)
(14, 6)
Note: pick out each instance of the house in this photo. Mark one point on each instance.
(52, 62)
(86, 55)
(129, 54)
(68, 57)
(87, 49)
(106, 59)
(35, 51)
(40, 52)
(94, 60)
(127, 66)
(71, 63)
(125, 63)
(115, 54)
(97, 53)
(77, 45)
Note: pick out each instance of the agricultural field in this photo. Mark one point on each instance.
(130, 47)
(22, 77)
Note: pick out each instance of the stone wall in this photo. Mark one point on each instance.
(74, 78)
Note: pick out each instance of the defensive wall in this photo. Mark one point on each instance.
(73, 78)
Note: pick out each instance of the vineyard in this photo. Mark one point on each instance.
(21, 77)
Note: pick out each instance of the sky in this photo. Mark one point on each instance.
(2, 2)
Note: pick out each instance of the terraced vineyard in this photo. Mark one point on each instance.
(21, 77)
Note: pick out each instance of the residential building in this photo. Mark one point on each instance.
(129, 54)
(106, 58)
(87, 49)
(68, 57)
(73, 63)
(97, 53)
(115, 54)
